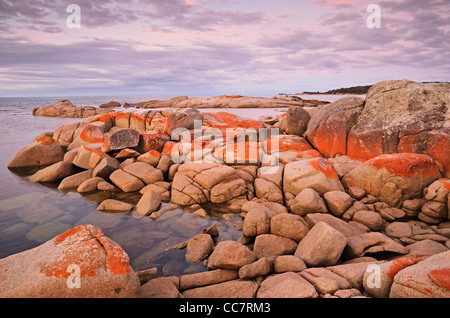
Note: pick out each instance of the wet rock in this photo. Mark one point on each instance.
(41, 152)
(207, 278)
(75, 180)
(89, 185)
(54, 172)
(230, 255)
(114, 206)
(199, 247)
(149, 202)
(126, 181)
(144, 171)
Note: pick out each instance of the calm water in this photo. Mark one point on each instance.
(31, 214)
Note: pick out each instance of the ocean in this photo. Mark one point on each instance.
(31, 213)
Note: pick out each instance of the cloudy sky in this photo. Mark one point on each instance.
(207, 47)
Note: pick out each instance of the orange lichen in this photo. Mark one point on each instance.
(46, 141)
(154, 153)
(89, 254)
(441, 277)
(399, 264)
(323, 166)
(445, 183)
(406, 164)
(92, 134)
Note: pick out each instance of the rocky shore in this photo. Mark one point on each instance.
(350, 200)
(65, 108)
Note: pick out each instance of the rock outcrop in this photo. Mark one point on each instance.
(396, 117)
(356, 206)
(81, 262)
(64, 108)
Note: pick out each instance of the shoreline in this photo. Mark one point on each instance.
(313, 187)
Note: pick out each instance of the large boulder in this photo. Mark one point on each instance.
(426, 279)
(394, 178)
(57, 171)
(328, 128)
(65, 108)
(42, 151)
(317, 174)
(286, 285)
(206, 183)
(404, 116)
(297, 120)
(398, 116)
(121, 139)
(322, 246)
(184, 118)
(81, 262)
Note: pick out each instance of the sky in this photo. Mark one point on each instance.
(214, 47)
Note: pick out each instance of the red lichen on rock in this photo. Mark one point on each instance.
(324, 166)
(87, 247)
(46, 141)
(441, 277)
(406, 164)
(445, 183)
(365, 145)
(331, 141)
(399, 264)
(91, 134)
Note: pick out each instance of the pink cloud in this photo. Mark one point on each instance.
(332, 3)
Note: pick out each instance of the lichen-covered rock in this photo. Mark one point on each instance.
(405, 173)
(328, 128)
(202, 183)
(81, 262)
(317, 174)
(426, 279)
(41, 152)
(403, 116)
